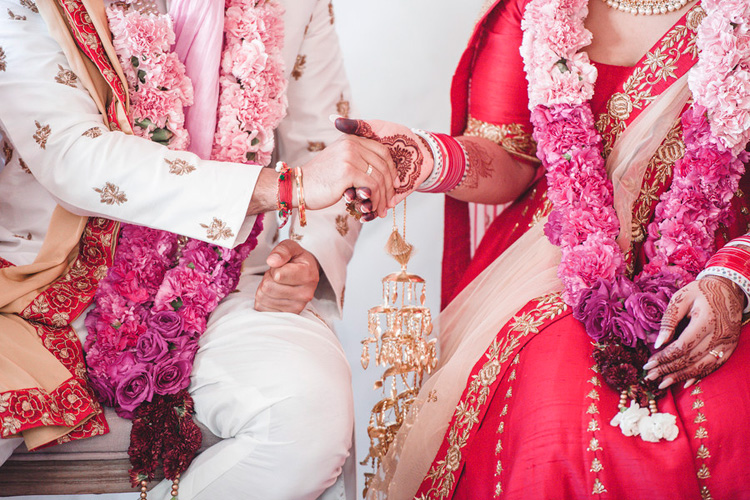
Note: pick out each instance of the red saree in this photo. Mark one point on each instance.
(533, 419)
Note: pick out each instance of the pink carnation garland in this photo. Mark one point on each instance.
(619, 313)
(155, 301)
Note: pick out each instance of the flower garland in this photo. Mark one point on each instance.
(623, 315)
(155, 301)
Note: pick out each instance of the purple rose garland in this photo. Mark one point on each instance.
(622, 315)
(155, 301)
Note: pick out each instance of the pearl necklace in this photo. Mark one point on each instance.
(647, 8)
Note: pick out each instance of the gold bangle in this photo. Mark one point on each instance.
(300, 197)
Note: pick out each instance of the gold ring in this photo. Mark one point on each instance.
(716, 354)
(369, 170)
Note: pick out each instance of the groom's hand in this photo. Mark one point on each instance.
(291, 282)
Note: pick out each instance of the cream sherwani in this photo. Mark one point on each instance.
(276, 386)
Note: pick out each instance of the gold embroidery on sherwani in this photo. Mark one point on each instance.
(330, 11)
(66, 77)
(23, 166)
(315, 146)
(341, 299)
(110, 194)
(27, 237)
(92, 133)
(443, 473)
(7, 152)
(179, 166)
(3, 64)
(342, 224)
(42, 134)
(342, 107)
(660, 64)
(299, 66)
(15, 17)
(218, 230)
(512, 137)
(30, 5)
(294, 235)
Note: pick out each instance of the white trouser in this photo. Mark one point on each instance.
(277, 388)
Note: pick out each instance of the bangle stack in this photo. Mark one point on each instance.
(733, 263)
(450, 163)
(284, 196)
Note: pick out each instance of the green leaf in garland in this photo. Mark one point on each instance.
(176, 303)
(141, 76)
(161, 135)
(134, 61)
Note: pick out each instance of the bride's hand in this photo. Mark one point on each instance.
(714, 306)
(354, 167)
(410, 154)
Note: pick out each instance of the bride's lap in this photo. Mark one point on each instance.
(548, 421)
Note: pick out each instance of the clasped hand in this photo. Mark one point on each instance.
(713, 306)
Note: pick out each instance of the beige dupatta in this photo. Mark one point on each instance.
(24, 362)
(527, 270)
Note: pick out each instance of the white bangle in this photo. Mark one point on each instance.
(437, 160)
(732, 276)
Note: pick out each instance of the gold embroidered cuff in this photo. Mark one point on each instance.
(512, 137)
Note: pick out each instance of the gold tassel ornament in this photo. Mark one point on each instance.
(398, 331)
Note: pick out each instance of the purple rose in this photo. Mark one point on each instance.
(151, 346)
(121, 367)
(172, 375)
(166, 323)
(104, 391)
(623, 327)
(647, 310)
(134, 389)
(594, 310)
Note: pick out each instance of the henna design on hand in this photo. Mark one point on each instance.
(404, 150)
(727, 310)
(480, 163)
(671, 318)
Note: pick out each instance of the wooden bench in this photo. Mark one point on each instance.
(87, 466)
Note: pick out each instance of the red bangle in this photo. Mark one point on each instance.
(284, 196)
(452, 161)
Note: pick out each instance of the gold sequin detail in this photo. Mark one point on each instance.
(701, 433)
(512, 137)
(7, 152)
(66, 77)
(342, 224)
(315, 146)
(703, 453)
(299, 67)
(217, 230)
(178, 166)
(110, 194)
(698, 403)
(42, 134)
(596, 466)
(703, 472)
(699, 418)
(598, 488)
(593, 426)
(593, 409)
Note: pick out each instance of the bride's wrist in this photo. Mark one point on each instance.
(450, 162)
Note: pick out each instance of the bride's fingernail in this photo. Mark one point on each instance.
(650, 365)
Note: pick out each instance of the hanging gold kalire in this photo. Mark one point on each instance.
(398, 330)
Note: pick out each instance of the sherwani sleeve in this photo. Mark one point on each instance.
(318, 87)
(55, 126)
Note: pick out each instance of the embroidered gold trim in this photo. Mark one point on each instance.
(443, 472)
(7, 152)
(512, 137)
(66, 77)
(703, 453)
(23, 166)
(342, 224)
(330, 12)
(501, 429)
(218, 230)
(110, 194)
(3, 64)
(178, 166)
(660, 64)
(42, 134)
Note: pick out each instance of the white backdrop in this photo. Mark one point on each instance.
(400, 56)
